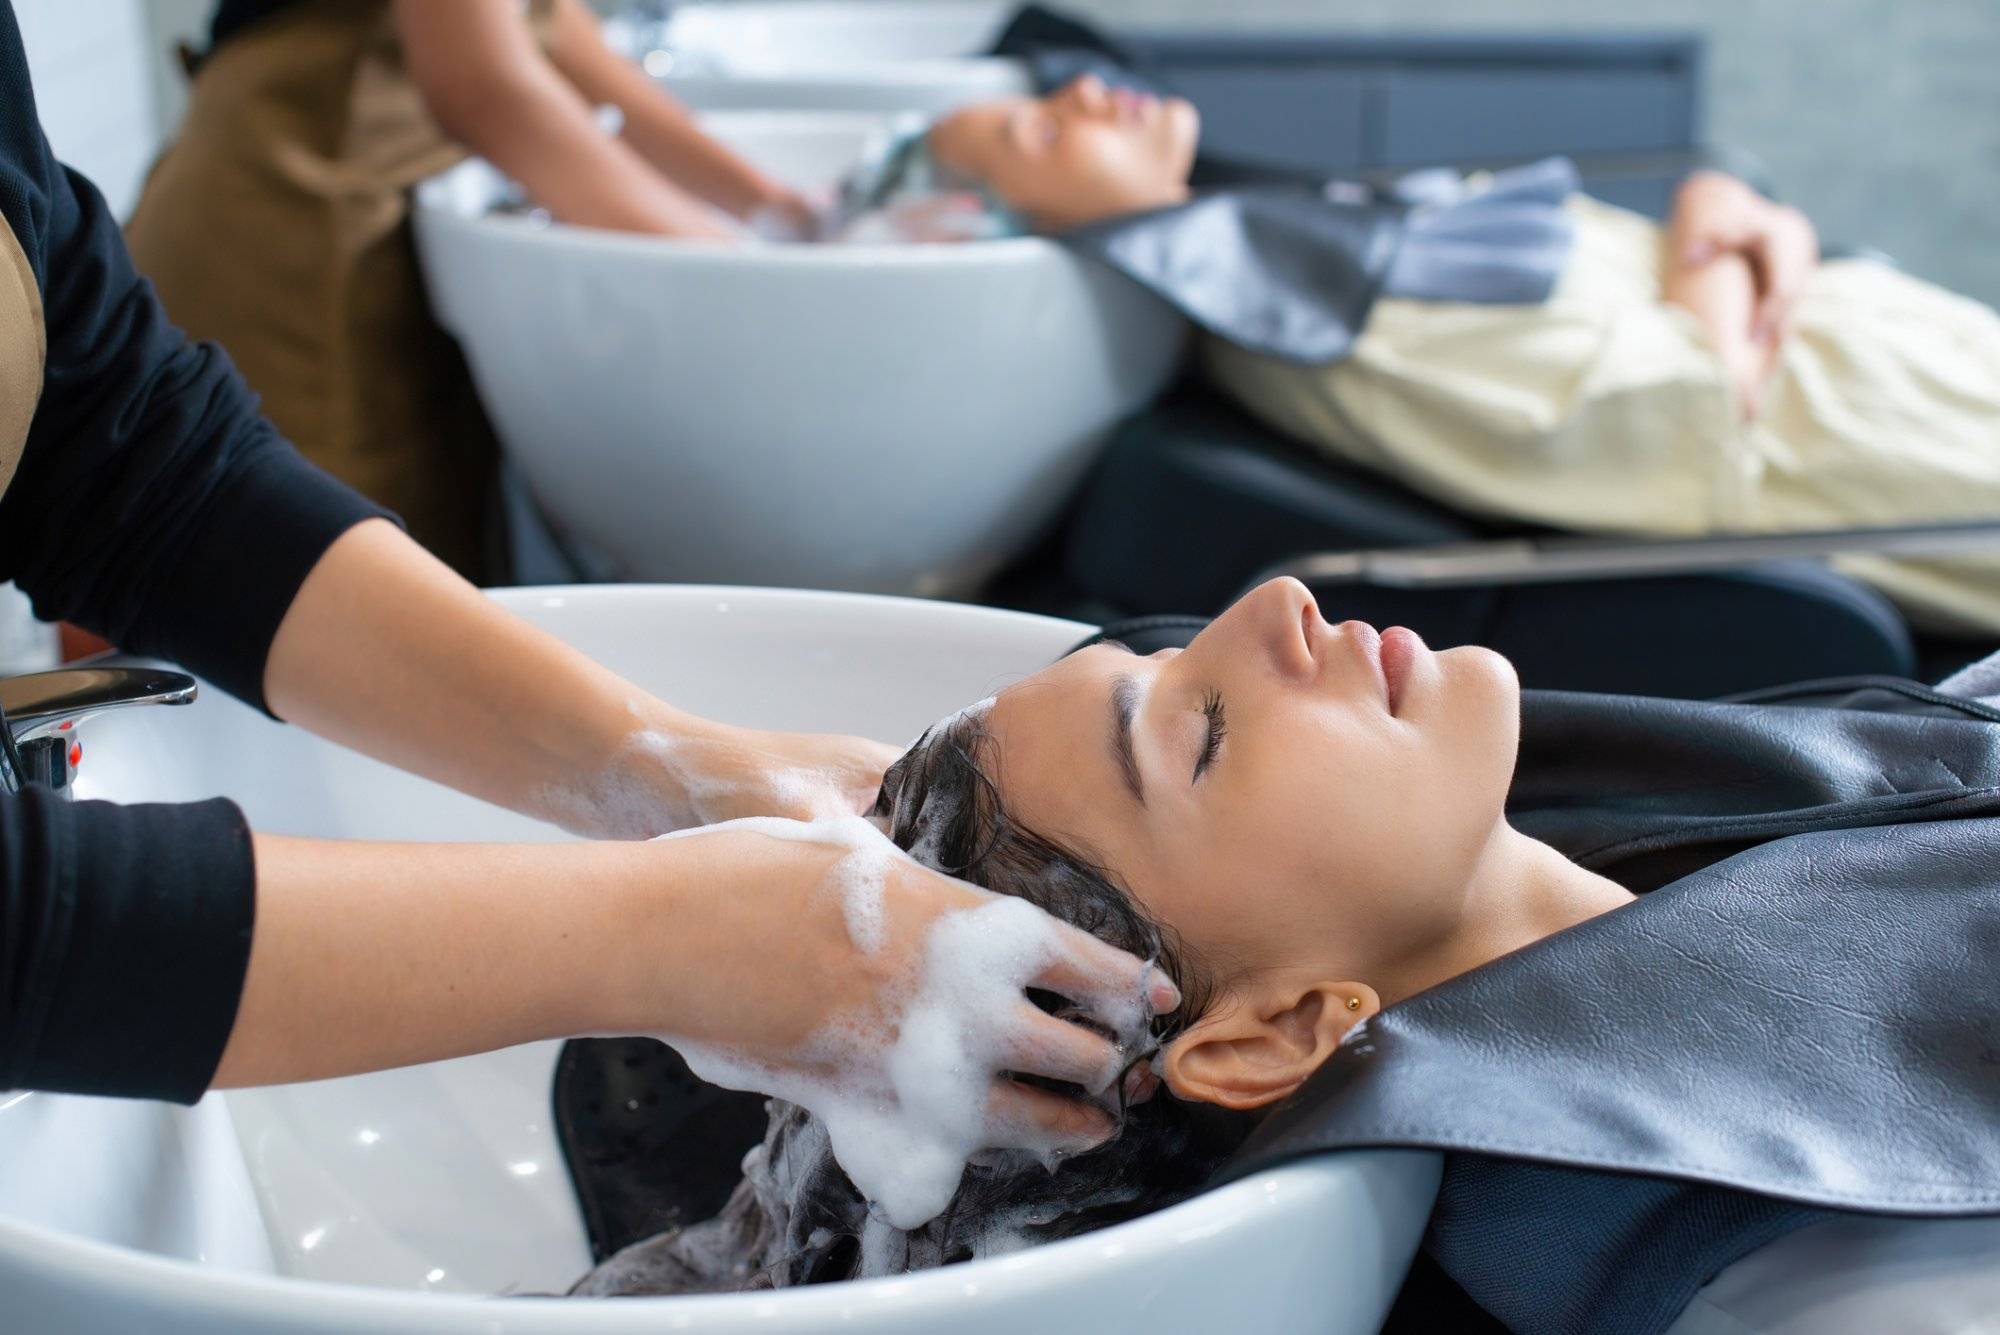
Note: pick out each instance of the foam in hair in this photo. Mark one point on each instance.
(904, 1102)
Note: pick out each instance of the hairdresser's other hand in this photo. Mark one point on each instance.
(939, 219)
(805, 776)
(790, 217)
(811, 977)
(665, 771)
(798, 775)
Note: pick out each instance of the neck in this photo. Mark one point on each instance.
(1522, 891)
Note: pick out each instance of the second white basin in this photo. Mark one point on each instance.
(895, 419)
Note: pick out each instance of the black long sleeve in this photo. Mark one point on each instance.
(124, 934)
(154, 505)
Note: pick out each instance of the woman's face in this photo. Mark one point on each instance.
(1281, 790)
(1083, 153)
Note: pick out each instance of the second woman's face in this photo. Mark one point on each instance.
(1281, 788)
(1083, 153)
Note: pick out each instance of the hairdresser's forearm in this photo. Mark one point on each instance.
(493, 91)
(656, 126)
(387, 651)
(554, 147)
(367, 956)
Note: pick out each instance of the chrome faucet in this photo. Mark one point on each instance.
(39, 713)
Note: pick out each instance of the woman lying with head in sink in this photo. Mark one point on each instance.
(1541, 359)
(1311, 827)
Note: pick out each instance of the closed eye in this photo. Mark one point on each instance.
(1032, 129)
(1218, 728)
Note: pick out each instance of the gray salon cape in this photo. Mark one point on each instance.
(1287, 267)
(1290, 270)
(1799, 1015)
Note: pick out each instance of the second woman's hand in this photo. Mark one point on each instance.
(1740, 263)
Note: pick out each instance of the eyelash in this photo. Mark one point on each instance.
(1218, 728)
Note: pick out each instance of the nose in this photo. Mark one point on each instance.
(1274, 621)
(1089, 93)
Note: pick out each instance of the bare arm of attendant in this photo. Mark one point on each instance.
(1739, 263)
(491, 88)
(373, 955)
(657, 126)
(368, 956)
(389, 652)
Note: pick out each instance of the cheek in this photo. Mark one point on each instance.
(1174, 152)
(1380, 813)
(1103, 159)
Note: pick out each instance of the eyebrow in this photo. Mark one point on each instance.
(1125, 707)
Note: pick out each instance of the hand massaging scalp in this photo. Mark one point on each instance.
(624, 800)
(903, 1097)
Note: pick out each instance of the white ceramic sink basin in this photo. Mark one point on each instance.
(896, 419)
(404, 1201)
(891, 55)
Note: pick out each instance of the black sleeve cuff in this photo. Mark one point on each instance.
(134, 937)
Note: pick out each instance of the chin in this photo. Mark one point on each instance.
(1486, 663)
(1489, 691)
(1184, 129)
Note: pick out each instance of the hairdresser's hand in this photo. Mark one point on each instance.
(790, 217)
(800, 775)
(940, 219)
(731, 773)
(852, 962)
(672, 771)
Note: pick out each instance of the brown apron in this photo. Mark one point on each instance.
(279, 225)
(24, 349)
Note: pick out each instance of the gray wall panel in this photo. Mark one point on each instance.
(1880, 118)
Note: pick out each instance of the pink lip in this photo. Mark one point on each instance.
(1368, 641)
(1132, 104)
(1399, 650)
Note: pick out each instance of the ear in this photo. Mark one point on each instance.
(1263, 1046)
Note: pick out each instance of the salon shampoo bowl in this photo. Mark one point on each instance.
(850, 55)
(406, 1201)
(893, 419)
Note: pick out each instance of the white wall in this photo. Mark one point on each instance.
(174, 22)
(93, 69)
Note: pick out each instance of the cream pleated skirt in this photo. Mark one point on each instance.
(1605, 410)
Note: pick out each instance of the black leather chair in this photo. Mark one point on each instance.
(1192, 500)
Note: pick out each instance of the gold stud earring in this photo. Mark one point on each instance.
(1354, 1003)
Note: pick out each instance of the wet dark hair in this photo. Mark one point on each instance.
(796, 1219)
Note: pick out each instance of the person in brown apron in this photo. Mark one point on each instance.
(278, 223)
